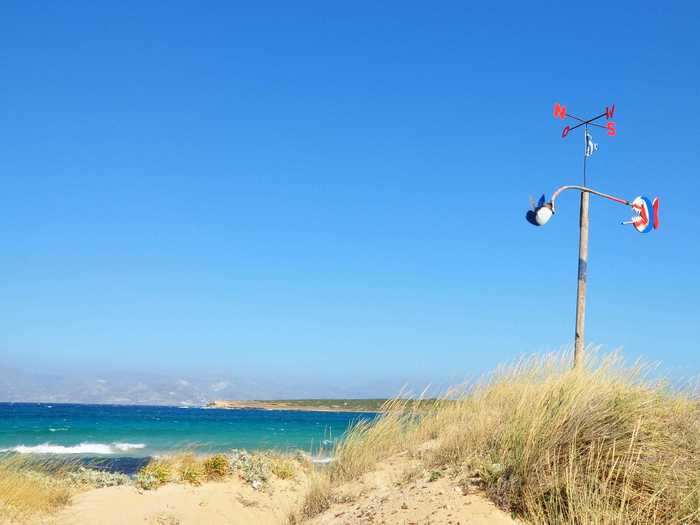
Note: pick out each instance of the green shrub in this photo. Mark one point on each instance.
(154, 474)
(216, 467)
(434, 476)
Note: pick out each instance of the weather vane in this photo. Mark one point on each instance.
(645, 211)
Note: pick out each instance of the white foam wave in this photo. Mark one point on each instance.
(82, 448)
(46, 448)
(128, 446)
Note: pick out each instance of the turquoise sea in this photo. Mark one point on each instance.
(116, 432)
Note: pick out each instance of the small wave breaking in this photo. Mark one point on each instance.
(318, 460)
(82, 448)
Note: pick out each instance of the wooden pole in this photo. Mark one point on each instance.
(579, 339)
(579, 345)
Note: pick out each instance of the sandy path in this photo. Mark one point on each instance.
(399, 493)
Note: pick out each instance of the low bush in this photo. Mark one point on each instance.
(253, 468)
(155, 474)
(93, 478)
(283, 468)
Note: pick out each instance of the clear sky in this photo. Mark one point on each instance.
(298, 190)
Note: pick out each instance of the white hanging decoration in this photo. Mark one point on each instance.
(590, 146)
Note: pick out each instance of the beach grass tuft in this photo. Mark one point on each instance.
(318, 499)
(189, 469)
(370, 441)
(29, 486)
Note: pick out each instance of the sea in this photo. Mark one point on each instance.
(122, 438)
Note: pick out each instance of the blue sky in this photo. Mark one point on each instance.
(293, 191)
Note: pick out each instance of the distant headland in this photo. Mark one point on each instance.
(307, 405)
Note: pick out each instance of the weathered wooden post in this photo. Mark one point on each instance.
(579, 338)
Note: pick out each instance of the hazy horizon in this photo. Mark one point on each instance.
(153, 388)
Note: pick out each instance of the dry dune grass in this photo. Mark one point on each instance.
(604, 444)
(29, 487)
(598, 445)
(38, 486)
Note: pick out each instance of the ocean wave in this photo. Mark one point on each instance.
(82, 448)
(62, 429)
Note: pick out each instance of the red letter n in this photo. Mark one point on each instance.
(559, 111)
